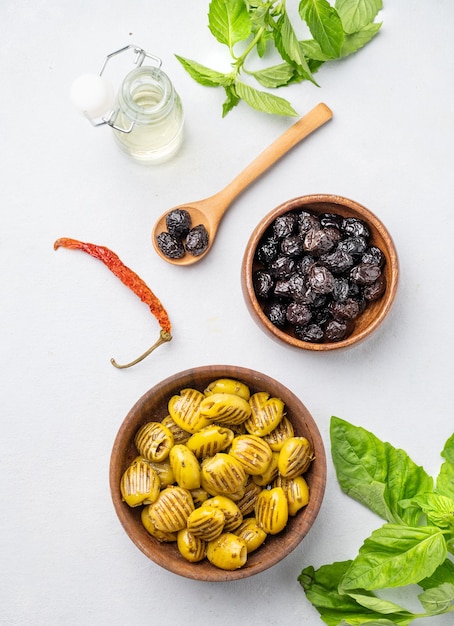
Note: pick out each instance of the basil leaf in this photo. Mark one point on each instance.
(290, 48)
(438, 599)
(443, 574)
(321, 589)
(263, 101)
(313, 51)
(355, 41)
(395, 555)
(375, 473)
(229, 21)
(379, 605)
(204, 75)
(261, 45)
(438, 508)
(445, 479)
(325, 25)
(231, 100)
(275, 76)
(356, 14)
(352, 43)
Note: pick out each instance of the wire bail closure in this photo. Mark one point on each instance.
(140, 56)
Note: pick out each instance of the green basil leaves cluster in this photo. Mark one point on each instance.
(413, 547)
(257, 25)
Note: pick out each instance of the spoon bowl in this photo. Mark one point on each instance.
(210, 211)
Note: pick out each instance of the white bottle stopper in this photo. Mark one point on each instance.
(92, 95)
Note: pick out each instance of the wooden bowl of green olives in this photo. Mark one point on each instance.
(217, 473)
(320, 272)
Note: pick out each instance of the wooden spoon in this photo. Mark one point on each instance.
(210, 211)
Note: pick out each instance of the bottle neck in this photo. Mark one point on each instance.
(146, 95)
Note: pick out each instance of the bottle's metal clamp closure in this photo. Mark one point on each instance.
(140, 55)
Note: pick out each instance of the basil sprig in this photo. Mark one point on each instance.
(413, 546)
(251, 28)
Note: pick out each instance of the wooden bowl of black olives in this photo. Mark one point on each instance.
(217, 473)
(320, 272)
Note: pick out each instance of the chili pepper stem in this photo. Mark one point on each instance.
(163, 338)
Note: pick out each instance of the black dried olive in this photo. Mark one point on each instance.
(282, 289)
(307, 296)
(338, 261)
(282, 266)
(341, 289)
(263, 283)
(355, 227)
(197, 240)
(298, 313)
(276, 312)
(330, 220)
(307, 221)
(268, 250)
(285, 225)
(170, 246)
(178, 223)
(355, 246)
(374, 256)
(319, 241)
(304, 263)
(337, 330)
(312, 333)
(292, 246)
(365, 273)
(320, 279)
(297, 286)
(375, 290)
(349, 309)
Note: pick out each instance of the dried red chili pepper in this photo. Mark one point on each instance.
(131, 280)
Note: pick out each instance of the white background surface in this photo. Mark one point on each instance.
(65, 558)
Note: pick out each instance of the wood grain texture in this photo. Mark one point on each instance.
(374, 314)
(153, 406)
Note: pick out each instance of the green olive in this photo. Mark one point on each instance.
(296, 491)
(225, 408)
(140, 483)
(171, 510)
(185, 467)
(192, 548)
(276, 438)
(185, 410)
(271, 510)
(227, 552)
(206, 523)
(210, 440)
(253, 452)
(253, 535)
(232, 514)
(153, 441)
(295, 457)
(266, 413)
(228, 385)
(223, 475)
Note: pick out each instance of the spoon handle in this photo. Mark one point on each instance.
(316, 117)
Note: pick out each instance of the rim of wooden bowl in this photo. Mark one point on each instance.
(375, 312)
(153, 406)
